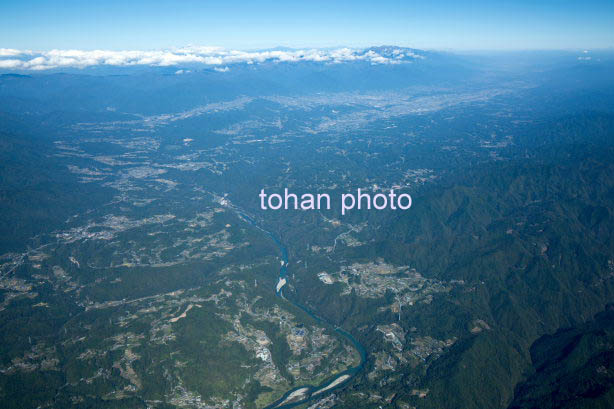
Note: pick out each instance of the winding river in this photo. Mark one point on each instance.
(304, 393)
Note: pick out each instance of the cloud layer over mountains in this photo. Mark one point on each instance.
(213, 56)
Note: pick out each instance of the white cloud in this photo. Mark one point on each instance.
(10, 52)
(10, 63)
(213, 56)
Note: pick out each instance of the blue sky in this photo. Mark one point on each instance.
(450, 25)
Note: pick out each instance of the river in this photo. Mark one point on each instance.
(305, 393)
